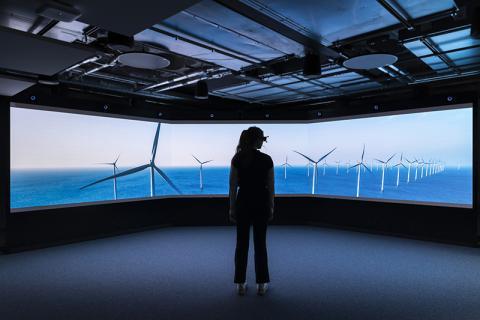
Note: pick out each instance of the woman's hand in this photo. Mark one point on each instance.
(270, 217)
(232, 215)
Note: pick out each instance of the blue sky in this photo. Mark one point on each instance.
(45, 139)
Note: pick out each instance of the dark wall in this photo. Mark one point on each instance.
(60, 225)
(4, 164)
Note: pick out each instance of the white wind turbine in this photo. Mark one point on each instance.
(309, 164)
(409, 166)
(422, 164)
(315, 166)
(285, 165)
(416, 168)
(348, 166)
(384, 164)
(338, 165)
(151, 165)
(359, 165)
(324, 166)
(115, 168)
(398, 165)
(201, 169)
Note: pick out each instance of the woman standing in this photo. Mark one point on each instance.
(251, 203)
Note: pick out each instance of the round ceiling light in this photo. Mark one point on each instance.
(370, 61)
(143, 60)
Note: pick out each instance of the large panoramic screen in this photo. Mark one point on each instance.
(67, 159)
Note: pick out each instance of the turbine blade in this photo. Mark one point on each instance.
(355, 166)
(363, 152)
(309, 159)
(118, 175)
(366, 167)
(393, 155)
(326, 155)
(288, 164)
(155, 142)
(207, 161)
(380, 160)
(117, 159)
(167, 179)
(196, 159)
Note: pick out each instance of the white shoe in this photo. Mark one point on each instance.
(241, 288)
(262, 288)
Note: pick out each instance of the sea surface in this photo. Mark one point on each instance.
(32, 188)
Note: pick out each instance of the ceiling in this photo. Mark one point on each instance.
(253, 50)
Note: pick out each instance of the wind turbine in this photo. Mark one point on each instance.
(115, 168)
(348, 166)
(315, 166)
(359, 165)
(409, 166)
(201, 169)
(308, 168)
(422, 165)
(324, 165)
(398, 165)
(384, 164)
(338, 165)
(285, 165)
(151, 165)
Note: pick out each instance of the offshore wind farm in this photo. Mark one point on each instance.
(169, 160)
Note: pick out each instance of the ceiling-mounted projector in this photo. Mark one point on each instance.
(59, 11)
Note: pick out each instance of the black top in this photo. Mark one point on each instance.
(253, 167)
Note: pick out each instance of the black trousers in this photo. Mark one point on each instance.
(260, 245)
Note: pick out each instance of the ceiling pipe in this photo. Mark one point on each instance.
(192, 79)
(89, 60)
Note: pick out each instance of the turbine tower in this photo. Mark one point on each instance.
(338, 165)
(115, 168)
(359, 165)
(324, 165)
(285, 165)
(398, 165)
(201, 169)
(315, 166)
(151, 165)
(384, 164)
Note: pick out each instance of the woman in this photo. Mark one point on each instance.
(251, 203)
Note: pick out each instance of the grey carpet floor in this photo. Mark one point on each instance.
(187, 273)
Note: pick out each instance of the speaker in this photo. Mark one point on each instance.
(312, 65)
(475, 28)
(201, 90)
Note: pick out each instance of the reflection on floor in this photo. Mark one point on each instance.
(187, 273)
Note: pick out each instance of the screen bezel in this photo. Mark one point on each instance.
(470, 104)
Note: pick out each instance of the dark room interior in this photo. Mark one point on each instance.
(127, 184)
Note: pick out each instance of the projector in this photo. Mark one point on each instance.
(59, 11)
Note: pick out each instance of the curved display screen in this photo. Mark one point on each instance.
(66, 159)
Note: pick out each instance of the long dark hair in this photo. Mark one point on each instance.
(248, 138)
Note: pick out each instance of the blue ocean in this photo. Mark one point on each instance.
(32, 188)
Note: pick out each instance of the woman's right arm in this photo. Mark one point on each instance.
(233, 192)
(271, 190)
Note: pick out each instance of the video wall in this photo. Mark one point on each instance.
(68, 159)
